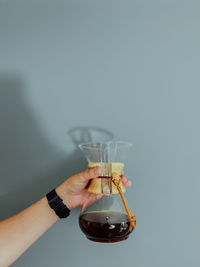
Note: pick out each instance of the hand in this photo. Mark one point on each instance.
(74, 192)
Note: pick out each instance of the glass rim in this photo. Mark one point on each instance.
(96, 145)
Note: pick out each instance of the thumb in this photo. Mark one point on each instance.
(90, 173)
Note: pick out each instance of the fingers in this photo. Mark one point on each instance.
(125, 181)
(90, 173)
(95, 172)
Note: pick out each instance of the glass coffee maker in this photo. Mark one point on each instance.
(108, 219)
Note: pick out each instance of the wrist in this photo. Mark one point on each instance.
(63, 194)
(57, 204)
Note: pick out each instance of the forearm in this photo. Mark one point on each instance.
(20, 231)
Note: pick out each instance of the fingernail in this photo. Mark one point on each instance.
(129, 183)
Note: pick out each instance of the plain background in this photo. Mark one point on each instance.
(73, 71)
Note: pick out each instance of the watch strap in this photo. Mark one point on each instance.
(56, 203)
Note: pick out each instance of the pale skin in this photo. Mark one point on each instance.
(20, 231)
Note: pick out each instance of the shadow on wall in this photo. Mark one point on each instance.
(30, 165)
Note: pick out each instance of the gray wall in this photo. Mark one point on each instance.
(128, 68)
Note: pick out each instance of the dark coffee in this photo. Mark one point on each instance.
(105, 226)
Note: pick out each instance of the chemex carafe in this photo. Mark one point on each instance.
(108, 219)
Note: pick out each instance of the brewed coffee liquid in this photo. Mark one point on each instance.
(105, 226)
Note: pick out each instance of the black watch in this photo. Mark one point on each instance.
(56, 203)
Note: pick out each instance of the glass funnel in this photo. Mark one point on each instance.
(108, 219)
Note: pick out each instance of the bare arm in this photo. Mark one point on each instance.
(18, 232)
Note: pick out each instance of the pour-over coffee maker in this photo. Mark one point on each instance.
(109, 219)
